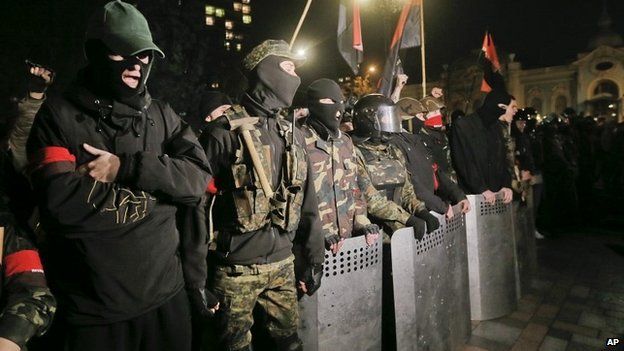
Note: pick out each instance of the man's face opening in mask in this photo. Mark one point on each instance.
(288, 67)
(328, 101)
(133, 72)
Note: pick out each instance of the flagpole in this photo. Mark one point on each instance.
(303, 16)
(422, 48)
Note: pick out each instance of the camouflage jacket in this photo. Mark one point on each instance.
(28, 306)
(334, 165)
(27, 109)
(510, 151)
(373, 178)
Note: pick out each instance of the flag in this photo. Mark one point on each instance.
(406, 35)
(350, 42)
(489, 51)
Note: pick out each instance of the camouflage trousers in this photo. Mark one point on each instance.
(271, 286)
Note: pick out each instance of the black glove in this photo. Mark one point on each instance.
(37, 84)
(419, 226)
(367, 229)
(202, 301)
(431, 220)
(331, 240)
(312, 278)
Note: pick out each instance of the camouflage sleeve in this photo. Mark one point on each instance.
(360, 218)
(26, 111)
(379, 206)
(408, 196)
(30, 305)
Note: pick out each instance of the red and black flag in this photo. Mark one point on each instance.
(406, 35)
(492, 68)
(350, 33)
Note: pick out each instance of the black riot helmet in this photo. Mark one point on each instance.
(375, 115)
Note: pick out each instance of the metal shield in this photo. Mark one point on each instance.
(345, 313)
(524, 239)
(491, 258)
(431, 301)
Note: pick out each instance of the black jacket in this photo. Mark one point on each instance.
(420, 167)
(266, 245)
(524, 150)
(112, 249)
(479, 155)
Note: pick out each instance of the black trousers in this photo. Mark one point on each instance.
(167, 328)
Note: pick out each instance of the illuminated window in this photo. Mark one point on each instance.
(229, 35)
(210, 10)
(229, 24)
(246, 19)
(239, 47)
(220, 12)
(246, 9)
(237, 6)
(210, 21)
(228, 45)
(245, 1)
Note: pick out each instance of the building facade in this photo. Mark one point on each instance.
(592, 84)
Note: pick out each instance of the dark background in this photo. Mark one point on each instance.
(541, 33)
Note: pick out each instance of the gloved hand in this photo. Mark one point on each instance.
(431, 220)
(40, 78)
(370, 232)
(310, 282)
(418, 225)
(203, 302)
(368, 229)
(332, 240)
(334, 243)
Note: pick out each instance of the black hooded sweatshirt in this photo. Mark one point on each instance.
(478, 147)
(112, 250)
(420, 165)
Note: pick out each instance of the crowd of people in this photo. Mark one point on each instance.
(162, 234)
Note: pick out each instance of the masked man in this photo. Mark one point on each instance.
(110, 166)
(431, 184)
(479, 150)
(265, 202)
(332, 156)
(382, 176)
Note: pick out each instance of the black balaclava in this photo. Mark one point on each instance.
(271, 86)
(325, 118)
(417, 124)
(210, 101)
(104, 75)
(489, 111)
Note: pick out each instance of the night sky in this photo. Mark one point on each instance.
(540, 32)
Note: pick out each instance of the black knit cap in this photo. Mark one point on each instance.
(209, 102)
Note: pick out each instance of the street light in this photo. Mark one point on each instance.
(301, 52)
(372, 69)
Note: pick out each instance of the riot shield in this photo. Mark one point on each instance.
(430, 276)
(345, 313)
(524, 239)
(491, 258)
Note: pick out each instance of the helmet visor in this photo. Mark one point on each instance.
(388, 119)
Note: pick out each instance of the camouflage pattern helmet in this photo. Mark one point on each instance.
(432, 104)
(410, 107)
(374, 114)
(122, 28)
(267, 48)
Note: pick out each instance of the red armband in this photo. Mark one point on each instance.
(22, 261)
